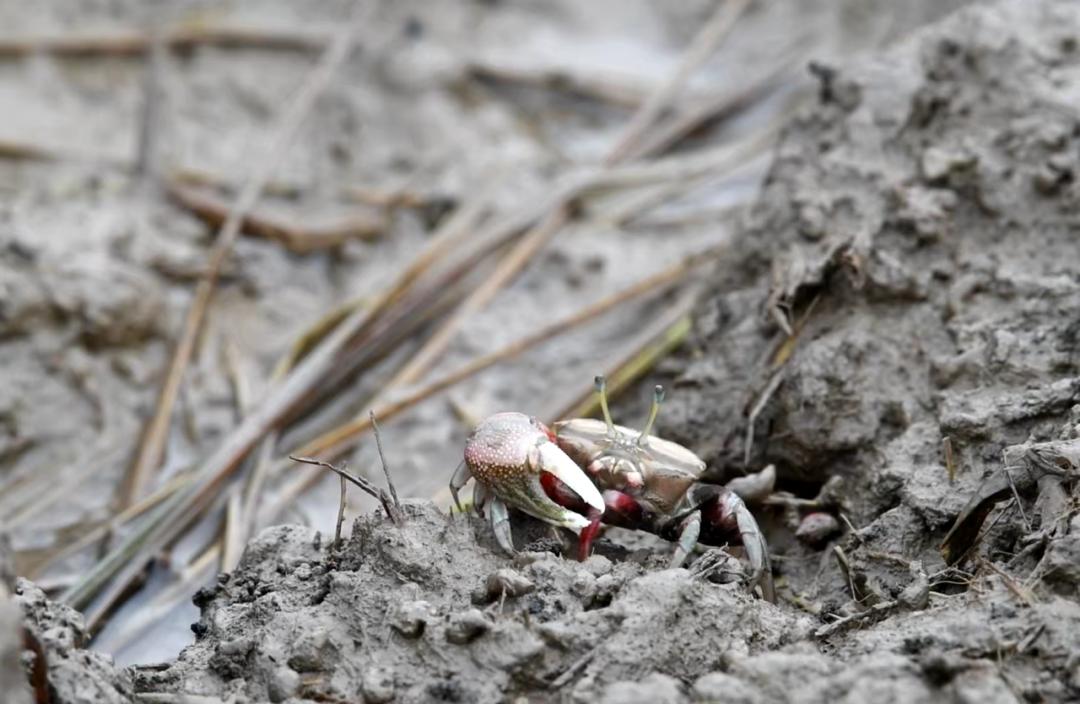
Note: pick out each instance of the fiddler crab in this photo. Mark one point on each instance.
(582, 472)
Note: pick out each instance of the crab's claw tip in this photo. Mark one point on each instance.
(557, 463)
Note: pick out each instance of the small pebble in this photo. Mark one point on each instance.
(467, 626)
(377, 685)
(816, 528)
(598, 565)
(505, 581)
(284, 682)
(410, 618)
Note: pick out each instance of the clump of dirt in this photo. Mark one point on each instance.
(55, 656)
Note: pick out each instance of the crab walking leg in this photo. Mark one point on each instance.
(688, 538)
(757, 551)
(500, 524)
(458, 480)
(480, 498)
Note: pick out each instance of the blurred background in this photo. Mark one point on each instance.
(442, 210)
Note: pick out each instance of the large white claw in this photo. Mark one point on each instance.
(558, 463)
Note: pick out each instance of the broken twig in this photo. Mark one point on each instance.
(365, 485)
(294, 236)
(340, 513)
(382, 459)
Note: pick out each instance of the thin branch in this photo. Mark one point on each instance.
(233, 539)
(1021, 592)
(365, 485)
(571, 672)
(128, 43)
(1019, 502)
(294, 236)
(340, 512)
(382, 459)
(876, 612)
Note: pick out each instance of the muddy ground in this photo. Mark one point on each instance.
(99, 262)
(905, 283)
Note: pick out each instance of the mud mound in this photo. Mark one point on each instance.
(59, 666)
(423, 612)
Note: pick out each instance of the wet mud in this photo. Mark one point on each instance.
(895, 331)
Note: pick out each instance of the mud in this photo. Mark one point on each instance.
(916, 232)
(98, 264)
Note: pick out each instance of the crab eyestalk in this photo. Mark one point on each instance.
(601, 388)
(654, 410)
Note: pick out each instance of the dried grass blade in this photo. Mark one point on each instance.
(702, 46)
(662, 336)
(340, 439)
(152, 448)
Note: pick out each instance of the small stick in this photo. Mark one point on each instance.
(147, 154)
(233, 540)
(382, 459)
(1019, 591)
(614, 90)
(361, 482)
(845, 568)
(759, 406)
(1029, 641)
(297, 238)
(950, 464)
(577, 666)
(879, 610)
(127, 43)
(1019, 503)
(340, 514)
